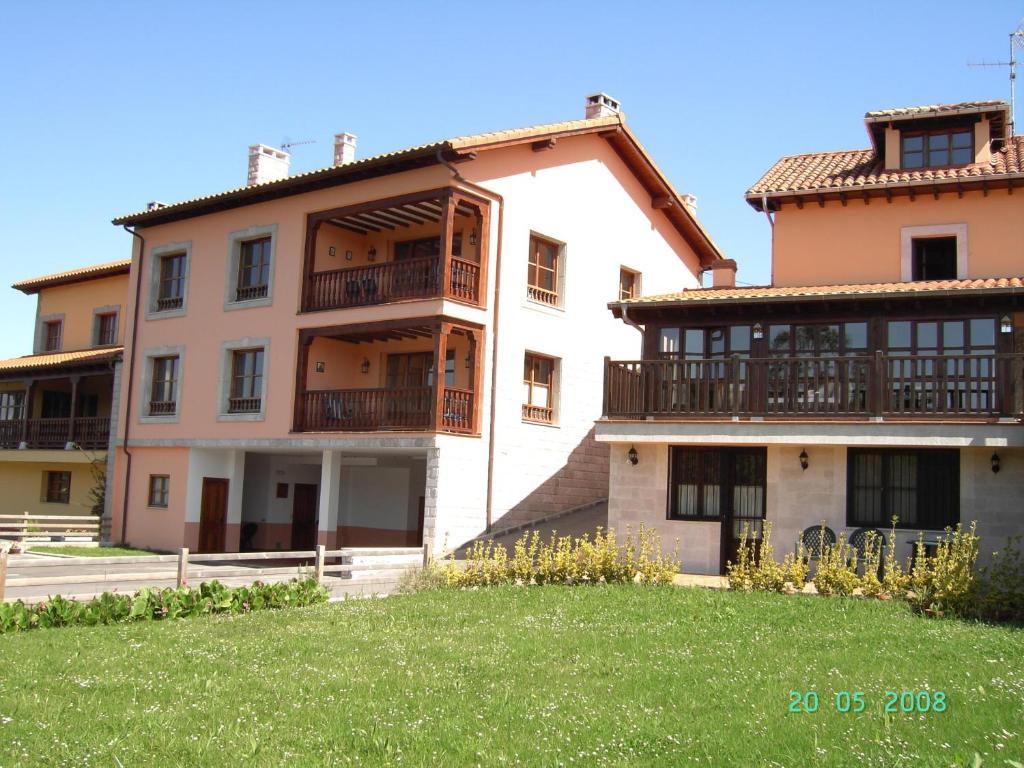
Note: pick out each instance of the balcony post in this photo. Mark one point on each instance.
(440, 352)
(734, 384)
(476, 352)
(483, 253)
(604, 402)
(878, 391)
(309, 261)
(27, 414)
(301, 373)
(447, 226)
(70, 444)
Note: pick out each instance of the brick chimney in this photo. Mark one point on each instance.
(267, 164)
(601, 105)
(344, 148)
(723, 273)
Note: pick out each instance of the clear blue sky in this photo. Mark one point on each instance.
(109, 105)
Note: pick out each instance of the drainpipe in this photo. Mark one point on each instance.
(129, 365)
(627, 320)
(771, 222)
(494, 335)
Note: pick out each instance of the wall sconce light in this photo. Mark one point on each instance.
(321, 366)
(634, 459)
(803, 460)
(469, 360)
(995, 463)
(332, 251)
(348, 255)
(472, 237)
(1005, 324)
(371, 254)
(365, 367)
(758, 331)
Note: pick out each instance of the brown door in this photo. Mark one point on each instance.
(213, 515)
(304, 506)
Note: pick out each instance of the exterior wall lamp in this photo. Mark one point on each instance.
(633, 457)
(469, 360)
(995, 463)
(1005, 324)
(803, 460)
(472, 237)
(365, 367)
(758, 331)
(371, 254)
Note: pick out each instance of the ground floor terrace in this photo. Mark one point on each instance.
(701, 485)
(295, 494)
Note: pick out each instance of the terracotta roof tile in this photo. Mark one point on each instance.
(754, 293)
(858, 168)
(108, 269)
(57, 359)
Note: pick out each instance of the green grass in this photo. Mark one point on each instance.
(92, 551)
(542, 676)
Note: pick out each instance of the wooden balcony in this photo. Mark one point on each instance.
(86, 432)
(431, 245)
(937, 387)
(372, 410)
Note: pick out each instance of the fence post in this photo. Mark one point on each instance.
(427, 555)
(3, 572)
(318, 568)
(182, 566)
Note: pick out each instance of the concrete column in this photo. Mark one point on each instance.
(330, 499)
(236, 476)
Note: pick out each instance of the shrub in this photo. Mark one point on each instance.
(999, 590)
(945, 582)
(756, 568)
(152, 604)
(563, 560)
(836, 573)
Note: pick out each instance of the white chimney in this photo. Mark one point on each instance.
(601, 105)
(267, 164)
(690, 201)
(344, 148)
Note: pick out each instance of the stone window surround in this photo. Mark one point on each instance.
(227, 349)
(156, 255)
(558, 308)
(40, 341)
(110, 309)
(147, 384)
(909, 234)
(235, 240)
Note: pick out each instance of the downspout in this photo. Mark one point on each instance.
(492, 418)
(627, 321)
(131, 381)
(771, 222)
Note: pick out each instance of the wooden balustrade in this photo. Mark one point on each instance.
(10, 433)
(91, 432)
(465, 281)
(856, 386)
(458, 410)
(48, 433)
(244, 404)
(368, 410)
(538, 413)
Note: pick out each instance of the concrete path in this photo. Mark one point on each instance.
(574, 524)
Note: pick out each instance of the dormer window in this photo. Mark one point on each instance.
(937, 149)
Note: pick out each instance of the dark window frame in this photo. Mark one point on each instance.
(159, 491)
(163, 387)
(172, 274)
(926, 151)
(931, 466)
(106, 329)
(12, 406)
(725, 465)
(53, 335)
(245, 395)
(57, 487)
(917, 258)
(254, 259)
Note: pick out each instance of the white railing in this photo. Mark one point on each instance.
(81, 530)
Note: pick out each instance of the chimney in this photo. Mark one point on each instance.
(267, 164)
(344, 148)
(723, 273)
(601, 105)
(690, 201)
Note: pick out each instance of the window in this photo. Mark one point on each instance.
(538, 388)
(921, 488)
(629, 284)
(159, 490)
(12, 406)
(937, 149)
(57, 487)
(544, 272)
(52, 333)
(246, 381)
(170, 293)
(253, 269)
(164, 388)
(719, 483)
(106, 329)
(933, 258)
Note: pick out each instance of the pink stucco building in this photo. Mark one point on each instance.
(390, 350)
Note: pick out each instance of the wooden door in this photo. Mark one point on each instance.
(305, 501)
(213, 516)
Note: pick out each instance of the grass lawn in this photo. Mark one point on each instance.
(91, 551)
(543, 676)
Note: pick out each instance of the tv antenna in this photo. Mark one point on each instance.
(1016, 41)
(286, 144)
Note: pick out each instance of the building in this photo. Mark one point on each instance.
(879, 375)
(287, 339)
(56, 404)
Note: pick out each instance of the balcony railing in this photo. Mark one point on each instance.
(90, 432)
(917, 386)
(369, 410)
(244, 404)
(391, 281)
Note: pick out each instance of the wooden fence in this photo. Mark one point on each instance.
(81, 530)
(187, 568)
